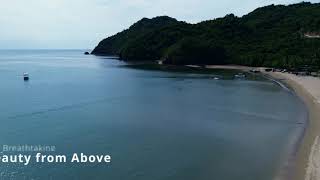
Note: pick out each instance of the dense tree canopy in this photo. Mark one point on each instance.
(190, 50)
(269, 36)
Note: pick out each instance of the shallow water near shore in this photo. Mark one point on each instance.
(155, 124)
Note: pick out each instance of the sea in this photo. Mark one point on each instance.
(154, 123)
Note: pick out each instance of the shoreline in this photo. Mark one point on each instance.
(306, 162)
(306, 159)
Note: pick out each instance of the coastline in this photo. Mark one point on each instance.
(307, 157)
(306, 165)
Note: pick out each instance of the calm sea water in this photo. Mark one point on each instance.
(155, 125)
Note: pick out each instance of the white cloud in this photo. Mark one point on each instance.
(83, 23)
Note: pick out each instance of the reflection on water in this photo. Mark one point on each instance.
(155, 124)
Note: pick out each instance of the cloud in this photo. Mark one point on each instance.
(83, 23)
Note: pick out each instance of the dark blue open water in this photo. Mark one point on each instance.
(155, 125)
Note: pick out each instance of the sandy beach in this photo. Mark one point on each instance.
(307, 165)
(307, 159)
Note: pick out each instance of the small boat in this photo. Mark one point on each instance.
(255, 70)
(25, 76)
(215, 77)
(240, 75)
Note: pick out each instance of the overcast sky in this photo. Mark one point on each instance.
(81, 24)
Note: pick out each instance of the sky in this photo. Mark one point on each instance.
(81, 24)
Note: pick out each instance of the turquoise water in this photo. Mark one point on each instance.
(155, 125)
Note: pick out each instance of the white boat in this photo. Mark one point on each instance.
(25, 76)
(240, 75)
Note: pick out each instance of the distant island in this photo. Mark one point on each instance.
(273, 36)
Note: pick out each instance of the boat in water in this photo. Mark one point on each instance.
(216, 77)
(25, 76)
(240, 76)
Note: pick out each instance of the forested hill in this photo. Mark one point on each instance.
(275, 35)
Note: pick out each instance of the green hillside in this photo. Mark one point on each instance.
(274, 36)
